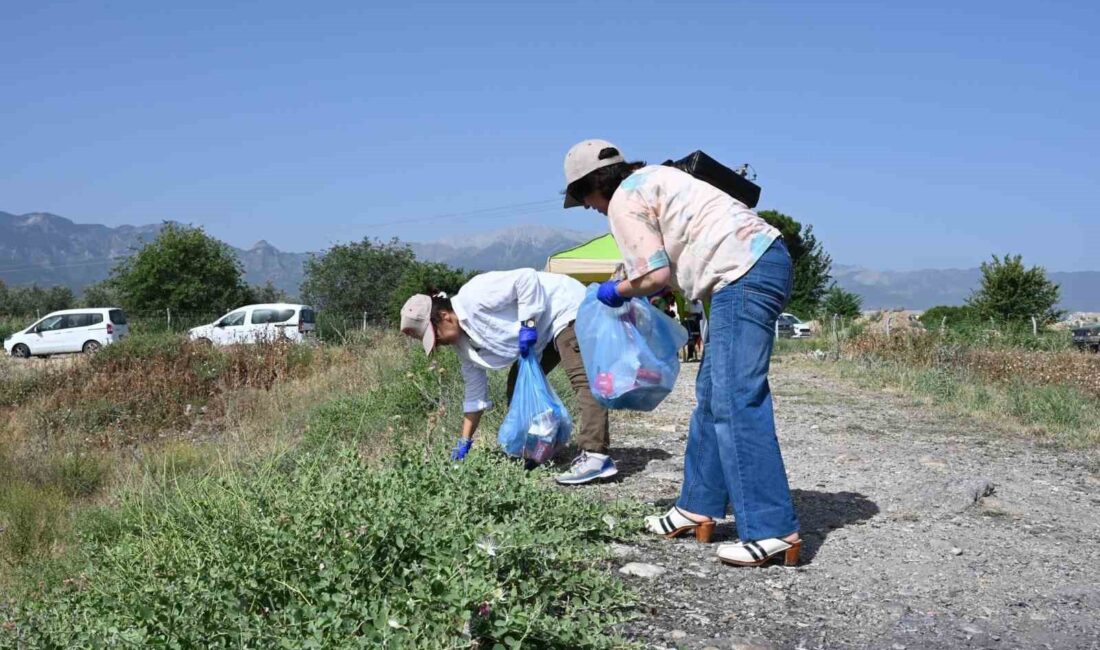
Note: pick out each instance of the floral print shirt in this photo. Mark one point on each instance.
(661, 216)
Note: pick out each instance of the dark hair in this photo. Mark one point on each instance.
(439, 305)
(605, 179)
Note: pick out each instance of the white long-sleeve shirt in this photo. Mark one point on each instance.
(490, 308)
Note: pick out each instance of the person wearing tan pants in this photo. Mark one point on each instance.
(593, 434)
(494, 319)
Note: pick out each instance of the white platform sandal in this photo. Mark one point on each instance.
(675, 523)
(760, 552)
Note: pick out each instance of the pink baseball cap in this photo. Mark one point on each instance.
(416, 320)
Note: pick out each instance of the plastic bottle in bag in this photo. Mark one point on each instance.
(541, 436)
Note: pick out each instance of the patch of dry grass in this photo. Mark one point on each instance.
(995, 364)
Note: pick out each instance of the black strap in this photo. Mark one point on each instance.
(755, 551)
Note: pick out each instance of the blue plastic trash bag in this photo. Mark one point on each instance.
(630, 353)
(537, 424)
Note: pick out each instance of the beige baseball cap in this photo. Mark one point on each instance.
(582, 159)
(416, 320)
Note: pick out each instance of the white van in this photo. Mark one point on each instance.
(259, 323)
(69, 330)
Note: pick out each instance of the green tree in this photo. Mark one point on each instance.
(429, 278)
(183, 269)
(840, 302)
(28, 301)
(812, 265)
(266, 293)
(100, 294)
(357, 278)
(1012, 293)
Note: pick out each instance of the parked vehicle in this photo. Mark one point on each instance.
(1088, 337)
(790, 326)
(259, 323)
(69, 330)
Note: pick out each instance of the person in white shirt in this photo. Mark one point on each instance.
(494, 319)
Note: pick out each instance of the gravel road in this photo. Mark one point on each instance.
(922, 530)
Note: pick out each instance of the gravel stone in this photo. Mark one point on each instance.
(887, 492)
(641, 570)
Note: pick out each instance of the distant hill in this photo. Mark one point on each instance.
(931, 287)
(513, 248)
(45, 249)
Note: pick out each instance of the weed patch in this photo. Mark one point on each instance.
(419, 554)
(31, 522)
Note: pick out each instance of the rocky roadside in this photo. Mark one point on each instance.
(922, 530)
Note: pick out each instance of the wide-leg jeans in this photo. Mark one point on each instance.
(732, 451)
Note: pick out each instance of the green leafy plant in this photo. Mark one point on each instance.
(325, 554)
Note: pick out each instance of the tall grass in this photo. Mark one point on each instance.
(1054, 393)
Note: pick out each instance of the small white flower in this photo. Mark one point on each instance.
(610, 521)
(488, 545)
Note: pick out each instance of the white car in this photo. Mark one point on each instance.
(790, 325)
(69, 330)
(259, 323)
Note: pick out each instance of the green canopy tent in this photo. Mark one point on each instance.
(593, 261)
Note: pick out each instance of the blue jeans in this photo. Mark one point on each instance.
(732, 452)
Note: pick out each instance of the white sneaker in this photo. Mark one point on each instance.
(588, 467)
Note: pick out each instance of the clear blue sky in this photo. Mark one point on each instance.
(911, 135)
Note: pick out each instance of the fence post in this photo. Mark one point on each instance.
(1034, 327)
(943, 324)
(777, 328)
(37, 314)
(836, 335)
(888, 318)
(168, 310)
(364, 321)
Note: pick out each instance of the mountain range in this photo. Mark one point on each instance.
(45, 249)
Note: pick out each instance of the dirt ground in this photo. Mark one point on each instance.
(922, 530)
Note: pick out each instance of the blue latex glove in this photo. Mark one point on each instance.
(527, 338)
(462, 447)
(608, 294)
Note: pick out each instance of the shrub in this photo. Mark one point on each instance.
(956, 316)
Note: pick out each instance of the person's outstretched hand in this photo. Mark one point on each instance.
(462, 447)
(608, 294)
(527, 338)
